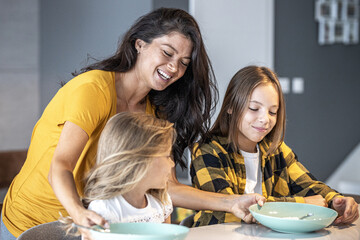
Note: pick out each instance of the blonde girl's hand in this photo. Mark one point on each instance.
(347, 209)
(241, 204)
(316, 200)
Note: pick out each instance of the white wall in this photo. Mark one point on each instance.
(19, 72)
(346, 178)
(236, 33)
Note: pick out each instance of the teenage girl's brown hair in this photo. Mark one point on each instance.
(237, 99)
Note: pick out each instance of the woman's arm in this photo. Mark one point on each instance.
(192, 198)
(70, 146)
(168, 219)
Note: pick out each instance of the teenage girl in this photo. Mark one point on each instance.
(246, 152)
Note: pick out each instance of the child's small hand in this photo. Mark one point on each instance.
(347, 209)
(316, 200)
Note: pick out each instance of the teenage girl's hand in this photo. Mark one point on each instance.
(241, 204)
(316, 200)
(347, 209)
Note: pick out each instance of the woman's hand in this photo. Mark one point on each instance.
(192, 198)
(347, 209)
(316, 200)
(241, 204)
(88, 218)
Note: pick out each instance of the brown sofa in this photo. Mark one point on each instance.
(10, 164)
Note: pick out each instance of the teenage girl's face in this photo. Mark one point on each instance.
(160, 170)
(260, 116)
(163, 61)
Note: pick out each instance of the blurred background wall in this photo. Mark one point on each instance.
(43, 41)
(19, 72)
(323, 122)
(71, 31)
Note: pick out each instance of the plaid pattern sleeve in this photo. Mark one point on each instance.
(216, 168)
(286, 179)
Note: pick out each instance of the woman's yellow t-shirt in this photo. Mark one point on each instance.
(89, 101)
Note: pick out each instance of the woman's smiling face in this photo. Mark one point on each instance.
(164, 60)
(259, 117)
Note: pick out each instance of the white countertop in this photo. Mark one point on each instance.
(229, 231)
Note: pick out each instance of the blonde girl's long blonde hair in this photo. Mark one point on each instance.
(126, 148)
(237, 99)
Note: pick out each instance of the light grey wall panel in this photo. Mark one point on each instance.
(70, 30)
(19, 35)
(182, 4)
(236, 34)
(19, 107)
(19, 77)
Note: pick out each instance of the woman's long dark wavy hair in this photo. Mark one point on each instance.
(189, 102)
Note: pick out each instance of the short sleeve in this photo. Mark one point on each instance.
(85, 106)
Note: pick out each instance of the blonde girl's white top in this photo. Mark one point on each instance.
(117, 209)
(253, 171)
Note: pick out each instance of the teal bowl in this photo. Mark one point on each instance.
(142, 231)
(284, 216)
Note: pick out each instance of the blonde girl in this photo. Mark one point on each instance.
(246, 153)
(133, 164)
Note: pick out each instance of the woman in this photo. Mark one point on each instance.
(161, 68)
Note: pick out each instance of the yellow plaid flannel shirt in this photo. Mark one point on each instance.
(215, 167)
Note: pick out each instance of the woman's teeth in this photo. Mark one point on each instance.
(163, 75)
